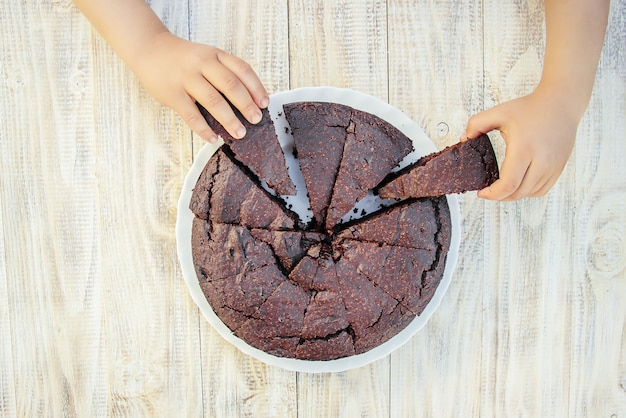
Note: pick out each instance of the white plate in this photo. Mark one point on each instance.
(422, 144)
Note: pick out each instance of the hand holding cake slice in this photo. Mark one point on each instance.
(259, 150)
(469, 165)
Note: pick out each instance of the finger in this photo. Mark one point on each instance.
(511, 176)
(248, 77)
(532, 181)
(482, 122)
(545, 188)
(190, 114)
(216, 105)
(227, 82)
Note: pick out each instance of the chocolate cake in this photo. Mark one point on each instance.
(320, 291)
(259, 149)
(469, 165)
(373, 147)
(319, 132)
(357, 151)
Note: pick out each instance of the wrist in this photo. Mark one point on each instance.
(147, 50)
(564, 98)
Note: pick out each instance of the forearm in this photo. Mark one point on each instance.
(127, 25)
(575, 32)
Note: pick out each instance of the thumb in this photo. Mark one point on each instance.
(482, 123)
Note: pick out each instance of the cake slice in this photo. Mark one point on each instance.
(411, 223)
(469, 165)
(259, 150)
(220, 251)
(397, 271)
(289, 246)
(319, 134)
(374, 316)
(226, 193)
(373, 147)
(279, 320)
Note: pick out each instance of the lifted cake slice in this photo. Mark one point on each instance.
(259, 150)
(469, 165)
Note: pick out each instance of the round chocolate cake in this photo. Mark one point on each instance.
(336, 285)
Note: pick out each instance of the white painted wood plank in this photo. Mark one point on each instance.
(152, 346)
(234, 384)
(525, 369)
(436, 77)
(598, 355)
(7, 372)
(75, 260)
(48, 211)
(341, 44)
(540, 299)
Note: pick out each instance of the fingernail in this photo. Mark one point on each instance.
(265, 102)
(240, 132)
(212, 139)
(256, 118)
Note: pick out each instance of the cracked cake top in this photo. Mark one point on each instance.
(259, 149)
(465, 166)
(320, 291)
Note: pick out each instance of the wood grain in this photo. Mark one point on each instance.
(47, 189)
(341, 44)
(149, 325)
(96, 319)
(539, 302)
(436, 77)
(235, 385)
(597, 381)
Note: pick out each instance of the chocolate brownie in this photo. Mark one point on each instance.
(319, 133)
(317, 292)
(412, 223)
(237, 273)
(222, 250)
(343, 153)
(259, 149)
(384, 265)
(281, 316)
(316, 272)
(288, 246)
(373, 147)
(469, 165)
(367, 306)
(328, 348)
(218, 197)
(326, 315)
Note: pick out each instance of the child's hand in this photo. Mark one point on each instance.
(178, 73)
(539, 131)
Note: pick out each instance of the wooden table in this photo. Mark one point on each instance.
(96, 319)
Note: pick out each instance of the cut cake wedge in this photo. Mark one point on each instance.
(465, 166)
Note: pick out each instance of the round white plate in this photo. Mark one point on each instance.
(422, 144)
